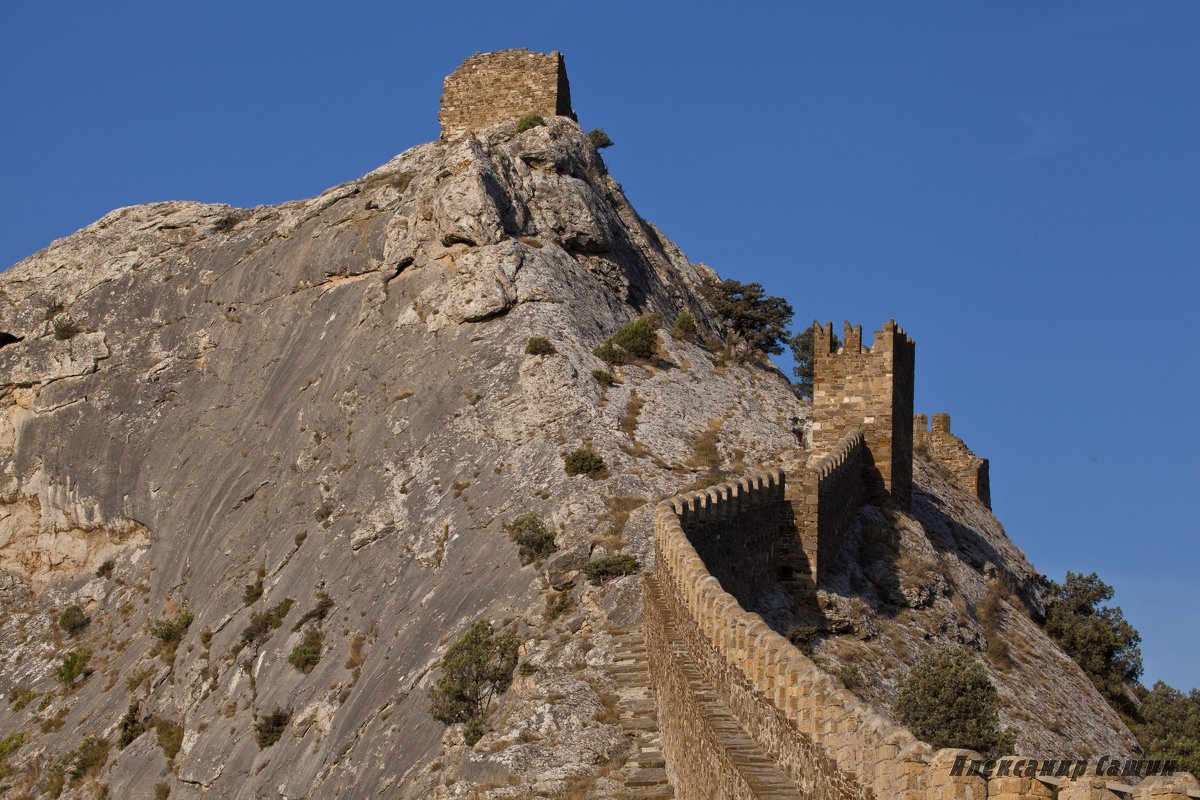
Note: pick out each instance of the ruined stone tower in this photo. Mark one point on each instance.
(489, 88)
(969, 470)
(870, 388)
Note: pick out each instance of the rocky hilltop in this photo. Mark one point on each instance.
(214, 420)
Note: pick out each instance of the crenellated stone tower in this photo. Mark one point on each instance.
(489, 88)
(870, 388)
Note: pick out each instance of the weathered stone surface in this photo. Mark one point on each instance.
(563, 567)
(47, 359)
(336, 390)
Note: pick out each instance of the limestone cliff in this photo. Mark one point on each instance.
(211, 410)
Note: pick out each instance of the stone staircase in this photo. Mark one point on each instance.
(645, 774)
(760, 773)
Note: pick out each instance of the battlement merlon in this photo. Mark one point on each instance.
(887, 339)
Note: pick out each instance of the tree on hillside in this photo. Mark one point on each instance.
(1098, 637)
(476, 668)
(948, 700)
(802, 353)
(751, 318)
(1171, 728)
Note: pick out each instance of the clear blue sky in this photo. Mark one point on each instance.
(1018, 184)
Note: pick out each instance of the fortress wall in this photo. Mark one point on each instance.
(831, 743)
(698, 762)
(738, 530)
(824, 502)
(489, 88)
(800, 715)
(969, 471)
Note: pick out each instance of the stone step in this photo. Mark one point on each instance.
(640, 724)
(664, 792)
(644, 775)
(647, 777)
(765, 778)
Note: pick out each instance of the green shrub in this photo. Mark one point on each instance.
(170, 737)
(612, 566)
(19, 697)
(526, 669)
(849, 676)
(474, 729)
(558, 605)
(599, 138)
(72, 620)
(262, 623)
(603, 377)
(74, 665)
(639, 338)
(803, 636)
(316, 613)
(539, 346)
(65, 327)
(54, 781)
(636, 340)
(476, 668)
(685, 326)
(307, 654)
(269, 729)
(88, 759)
(529, 121)
(10, 745)
(132, 726)
(610, 354)
(583, 462)
(534, 540)
(105, 570)
(948, 700)
(253, 591)
(170, 631)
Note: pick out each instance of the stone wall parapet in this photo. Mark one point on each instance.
(831, 743)
(841, 452)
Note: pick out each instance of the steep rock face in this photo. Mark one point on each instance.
(237, 407)
(336, 391)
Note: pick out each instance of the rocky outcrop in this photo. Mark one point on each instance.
(334, 392)
(227, 415)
